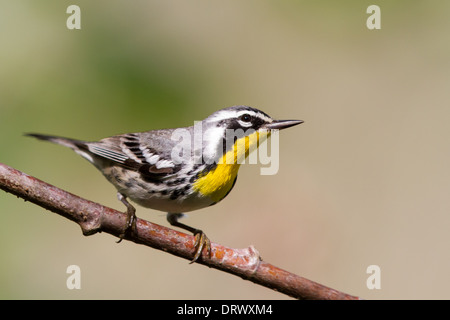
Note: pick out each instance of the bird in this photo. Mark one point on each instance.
(178, 170)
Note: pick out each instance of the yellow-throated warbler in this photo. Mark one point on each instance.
(142, 166)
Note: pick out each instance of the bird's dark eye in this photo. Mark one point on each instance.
(245, 117)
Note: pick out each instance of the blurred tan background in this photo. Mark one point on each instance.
(365, 180)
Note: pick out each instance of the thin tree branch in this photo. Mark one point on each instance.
(93, 217)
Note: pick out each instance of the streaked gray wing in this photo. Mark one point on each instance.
(148, 153)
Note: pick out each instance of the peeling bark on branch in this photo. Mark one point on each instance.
(93, 217)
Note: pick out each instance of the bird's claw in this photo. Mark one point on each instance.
(201, 242)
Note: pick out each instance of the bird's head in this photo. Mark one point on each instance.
(236, 131)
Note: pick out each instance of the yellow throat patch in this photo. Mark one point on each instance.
(217, 183)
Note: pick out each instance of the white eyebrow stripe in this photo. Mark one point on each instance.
(230, 114)
(252, 113)
(227, 114)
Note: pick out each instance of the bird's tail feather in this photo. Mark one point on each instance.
(70, 143)
(78, 146)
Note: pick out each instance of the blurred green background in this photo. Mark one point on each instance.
(365, 180)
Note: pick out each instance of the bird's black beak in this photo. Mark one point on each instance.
(282, 124)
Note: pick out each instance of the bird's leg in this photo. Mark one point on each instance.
(201, 240)
(130, 226)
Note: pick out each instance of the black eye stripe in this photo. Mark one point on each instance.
(252, 121)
